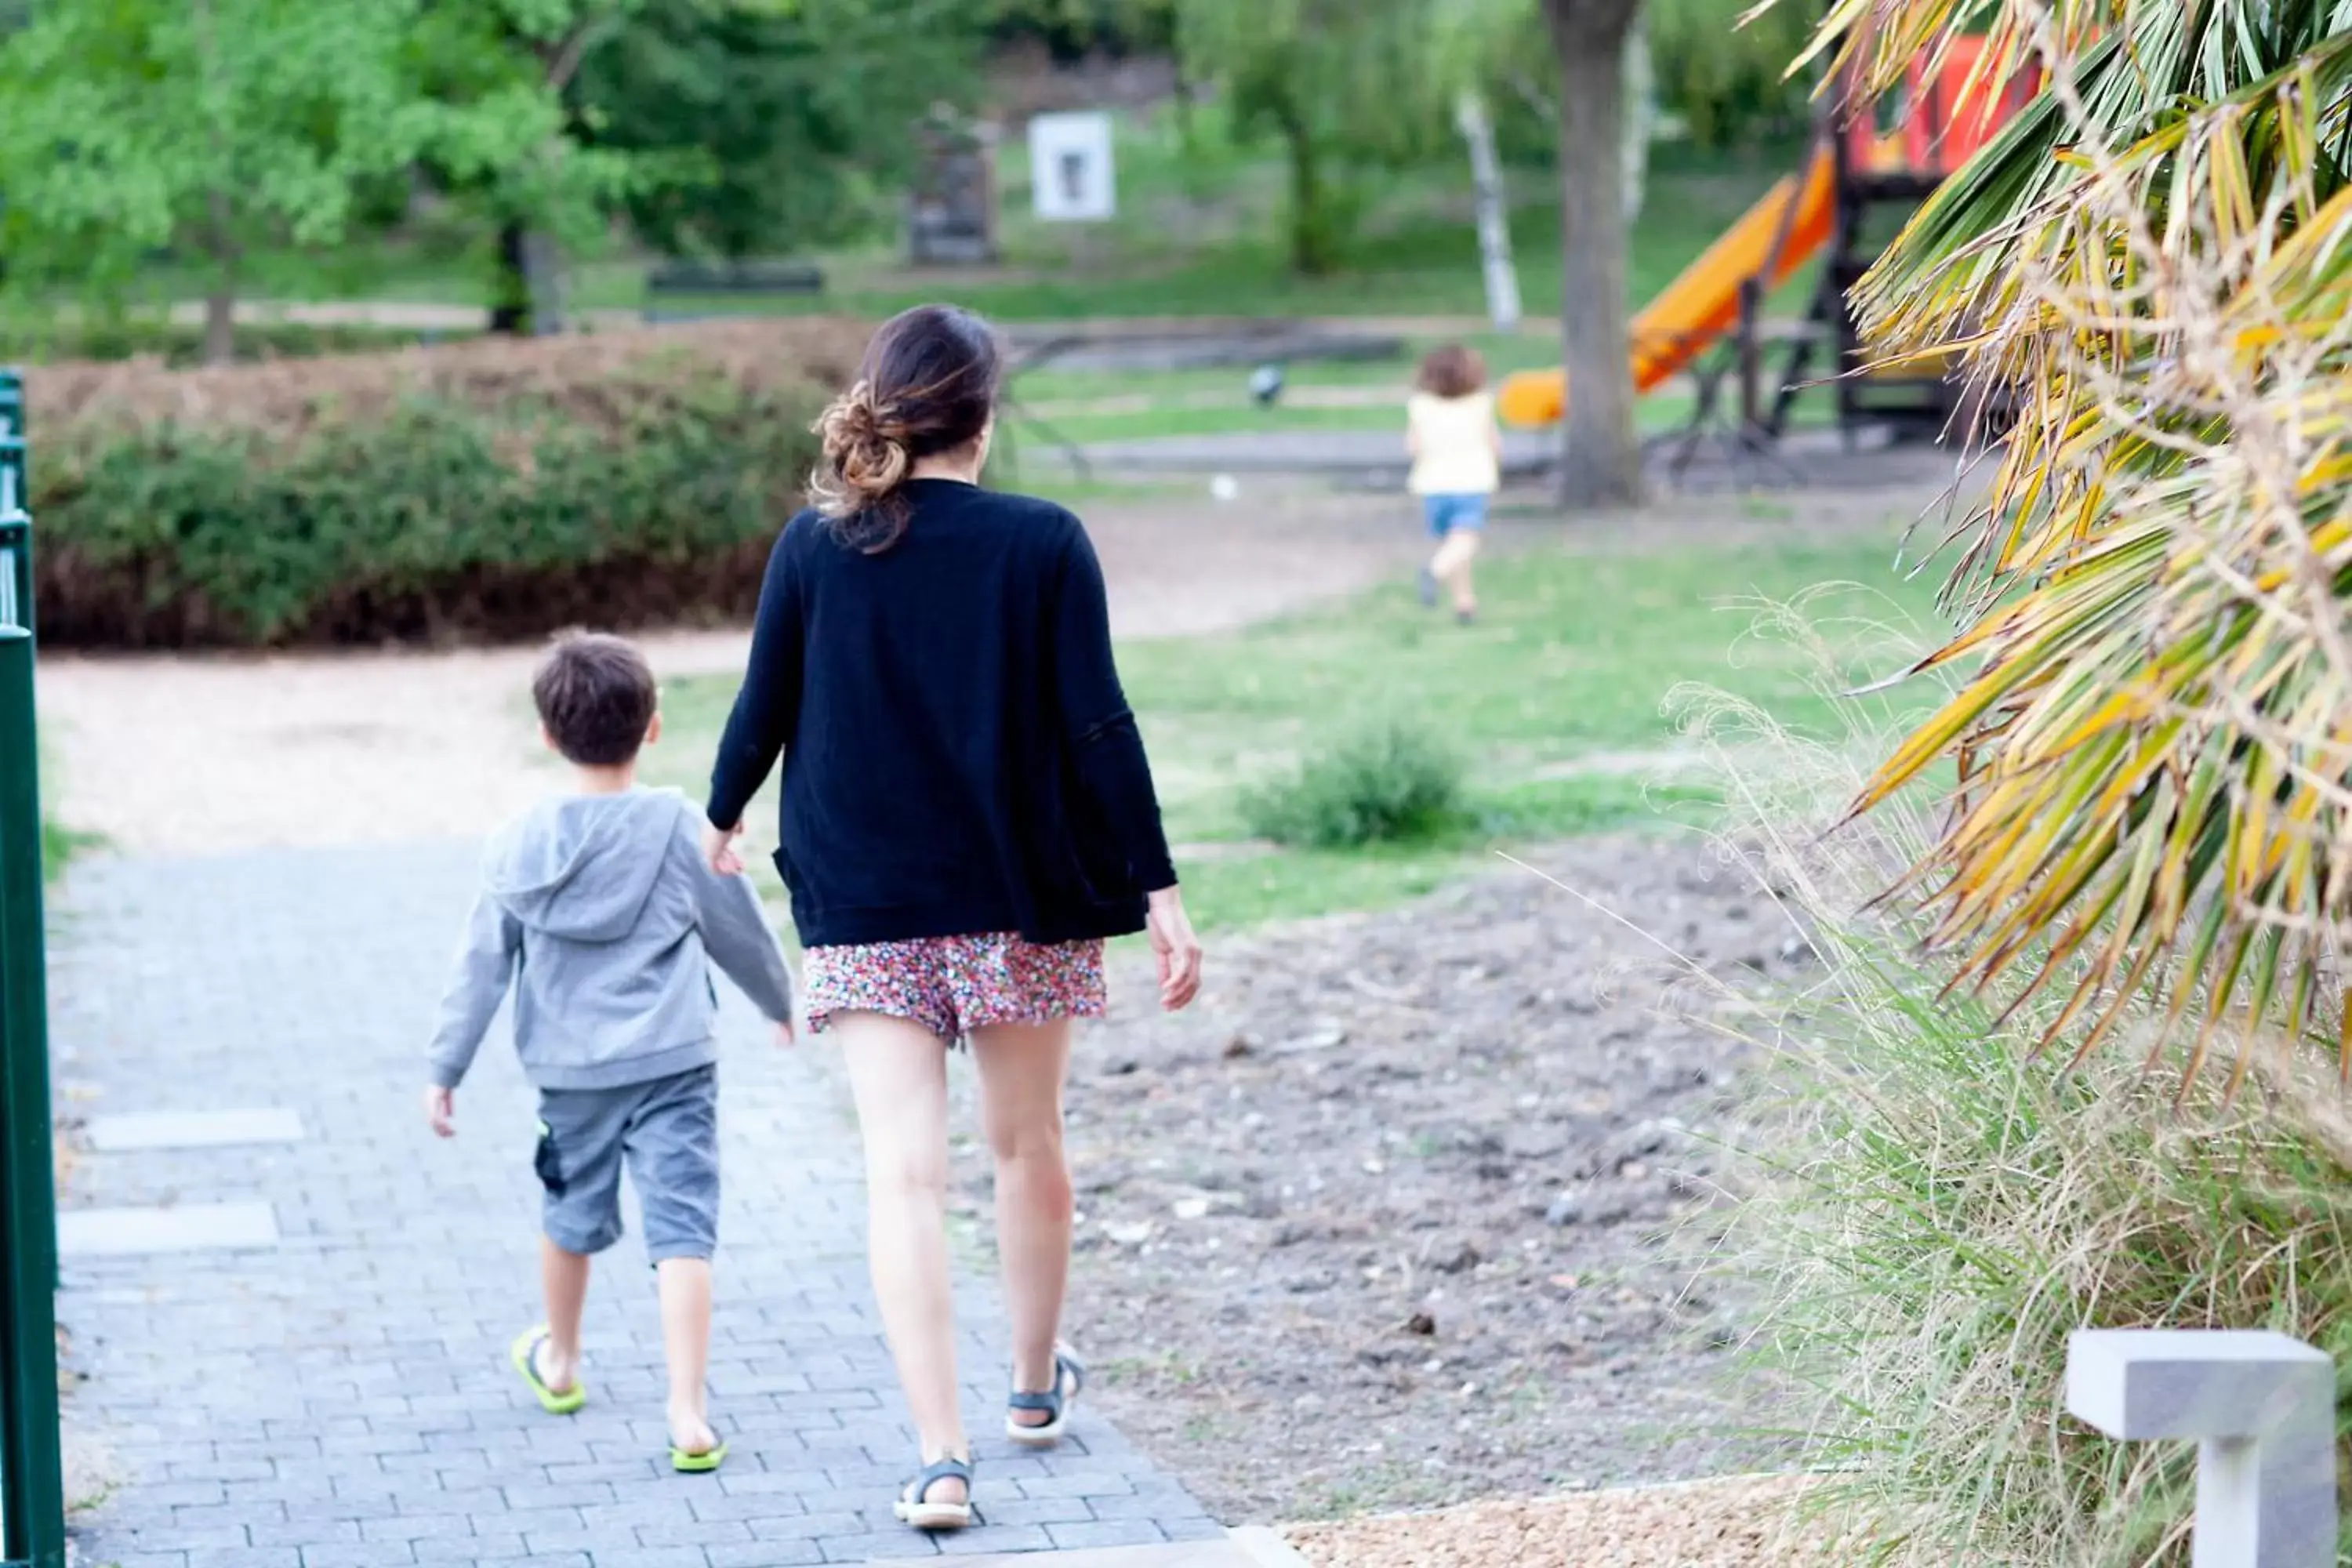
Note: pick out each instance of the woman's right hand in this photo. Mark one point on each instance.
(1170, 931)
(719, 849)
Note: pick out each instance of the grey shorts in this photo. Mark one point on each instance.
(667, 1131)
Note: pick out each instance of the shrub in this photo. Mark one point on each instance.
(1388, 786)
(180, 344)
(492, 488)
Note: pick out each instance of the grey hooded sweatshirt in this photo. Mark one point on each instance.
(602, 916)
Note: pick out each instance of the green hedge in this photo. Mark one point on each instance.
(180, 344)
(492, 492)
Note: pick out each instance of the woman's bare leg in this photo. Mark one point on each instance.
(897, 1070)
(1022, 1070)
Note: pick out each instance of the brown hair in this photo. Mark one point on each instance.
(1454, 370)
(596, 694)
(928, 385)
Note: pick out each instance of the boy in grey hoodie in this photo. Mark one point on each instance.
(599, 912)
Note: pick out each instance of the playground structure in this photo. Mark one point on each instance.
(1853, 171)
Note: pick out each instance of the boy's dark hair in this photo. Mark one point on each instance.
(596, 694)
(1454, 370)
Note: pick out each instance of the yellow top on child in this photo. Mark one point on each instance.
(1450, 427)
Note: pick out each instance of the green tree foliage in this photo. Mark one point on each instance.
(210, 126)
(1075, 29)
(557, 189)
(1726, 71)
(760, 131)
(1348, 86)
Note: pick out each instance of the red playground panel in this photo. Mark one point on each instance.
(1942, 118)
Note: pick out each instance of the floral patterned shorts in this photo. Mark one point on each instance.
(954, 985)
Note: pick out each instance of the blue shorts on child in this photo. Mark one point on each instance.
(665, 1131)
(1447, 513)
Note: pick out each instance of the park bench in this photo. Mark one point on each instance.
(723, 288)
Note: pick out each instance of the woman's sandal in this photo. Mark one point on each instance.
(1069, 1377)
(914, 1508)
(524, 1353)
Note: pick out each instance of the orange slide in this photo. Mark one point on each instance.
(1702, 304)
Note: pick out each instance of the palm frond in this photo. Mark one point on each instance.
(2154, 733)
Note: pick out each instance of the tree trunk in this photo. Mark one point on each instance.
(510, 285)
(220, 299)
(220, 323)
(1600, 460)
(1640, 115)
(1313, 247)
(544, 278)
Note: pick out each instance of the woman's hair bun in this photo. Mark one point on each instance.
(866, 455)
(928, 385)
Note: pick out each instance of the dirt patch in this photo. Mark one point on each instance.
(1378, 1225)
(1741, 1523)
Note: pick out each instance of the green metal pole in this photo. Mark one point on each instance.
(32, 1483)
(15, 479)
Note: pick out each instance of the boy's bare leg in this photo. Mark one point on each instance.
(563, 1279)
(685, 1343)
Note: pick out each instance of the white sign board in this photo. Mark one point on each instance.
(1069, 167)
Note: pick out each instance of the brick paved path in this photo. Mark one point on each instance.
(342, 1400)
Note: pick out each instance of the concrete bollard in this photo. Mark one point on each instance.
(2260, 1407)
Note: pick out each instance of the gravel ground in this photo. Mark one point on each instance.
(1378, 1224)
(1740, 1523)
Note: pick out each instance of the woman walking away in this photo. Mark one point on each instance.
(967, 815)
(1457, 463)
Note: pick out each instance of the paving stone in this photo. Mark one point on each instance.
(305, 1532)
(1036, 1510)
(651, 1557)
(191, 1130)
(1000, 1535)
(765, 1555)
(878, 1548)
(178, 1227)
(1108, 1532)
(1076, 1486)
(701, 1532)
(340, 1380)
(365, 1554)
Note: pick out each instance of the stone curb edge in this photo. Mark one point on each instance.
(1265, 1546)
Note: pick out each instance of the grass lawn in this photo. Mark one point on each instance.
(1131, 407)
(1557, 702)
(1089, 404)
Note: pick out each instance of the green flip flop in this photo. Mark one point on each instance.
(524, 1353)
(700, 1464)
